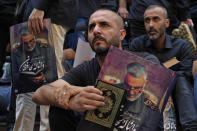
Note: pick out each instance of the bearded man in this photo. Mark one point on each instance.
(166, 47)
(75, 90)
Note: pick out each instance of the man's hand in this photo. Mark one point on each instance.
(38, 79)
(35, 22)
(64, 93)
(89, 98)
(188, 22)
(123, 12)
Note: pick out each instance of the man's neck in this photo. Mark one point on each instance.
(160, 43)
(101, 60)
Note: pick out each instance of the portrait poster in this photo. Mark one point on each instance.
(33, 57)
(143, 112)
(148, 86)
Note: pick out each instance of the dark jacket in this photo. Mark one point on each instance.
(61, 12)
(7, 9)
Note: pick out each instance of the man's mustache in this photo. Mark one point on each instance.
(99, 37)
(152, 29)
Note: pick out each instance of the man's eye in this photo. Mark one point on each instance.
(91, 27)
(104, 24)
(156, 19)
(147, 20)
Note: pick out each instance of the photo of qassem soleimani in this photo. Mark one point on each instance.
(33, 59)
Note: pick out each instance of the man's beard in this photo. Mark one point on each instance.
(102, 51)
(159, 33)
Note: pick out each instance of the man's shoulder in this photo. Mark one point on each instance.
(139, 43)
(85, 66)
(140, 40)
(83, 74)
(147, 56)
(179, 43)
(142, 37)
(91, 62)
(177, 40)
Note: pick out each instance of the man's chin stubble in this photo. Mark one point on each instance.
(101, 52)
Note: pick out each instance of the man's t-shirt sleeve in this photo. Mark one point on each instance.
(74, 76)
(84, 74)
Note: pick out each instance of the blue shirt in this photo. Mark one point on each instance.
(174, 47)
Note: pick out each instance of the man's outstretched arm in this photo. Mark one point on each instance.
(49, 93)
(61, 94)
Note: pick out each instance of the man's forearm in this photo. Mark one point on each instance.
(57, 93)
(123, 3)
(45, 95)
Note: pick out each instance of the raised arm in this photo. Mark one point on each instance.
(122, 10)
(35, 21)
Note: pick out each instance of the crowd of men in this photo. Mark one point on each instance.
(150, 25)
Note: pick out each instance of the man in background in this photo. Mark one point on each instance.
(166, 47)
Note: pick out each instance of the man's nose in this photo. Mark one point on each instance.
(132, 92)
(151, 24)
(97, 30)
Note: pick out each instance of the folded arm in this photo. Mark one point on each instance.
(62, 94)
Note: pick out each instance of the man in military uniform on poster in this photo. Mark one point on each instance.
(139, 108)
(30, 62)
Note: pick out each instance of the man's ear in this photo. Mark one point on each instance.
(167, 22)
(122, 34)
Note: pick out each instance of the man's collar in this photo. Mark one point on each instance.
(168, 44)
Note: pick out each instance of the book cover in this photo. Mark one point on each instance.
(32, 56)
(114, 98)
(148, 86)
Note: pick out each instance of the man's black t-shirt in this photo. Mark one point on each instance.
(83, 75)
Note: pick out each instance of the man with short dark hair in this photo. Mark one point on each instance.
(166, 47)
(105, 28)
(178, 12)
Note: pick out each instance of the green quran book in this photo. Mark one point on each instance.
(106, 115)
